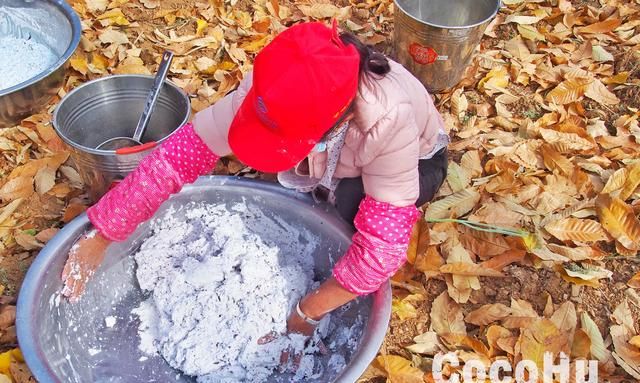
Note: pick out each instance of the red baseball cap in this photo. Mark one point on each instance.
(303, 82)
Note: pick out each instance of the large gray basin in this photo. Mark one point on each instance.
(56, 337)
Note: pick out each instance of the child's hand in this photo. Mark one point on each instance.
(84, 258)
(295, 325)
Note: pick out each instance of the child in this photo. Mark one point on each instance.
(333, 117)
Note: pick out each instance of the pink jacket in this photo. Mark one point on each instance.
(395, 124)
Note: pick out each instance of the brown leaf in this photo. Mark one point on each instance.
(455, 341)
(598, 92)
(7, 317)
(601, 27)
(574, 229)
(27, 241)
(619, 220)
(508, 257)
(20, 372)
(566, 319)
(45, 179)
(581, 347)
(16, 188)
(72, 211)
(45, 235)
(598, 348)
(446, 316)
(494, 334)
(555, 161)
(488, 314)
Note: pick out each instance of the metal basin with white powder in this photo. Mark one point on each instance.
(62, 342)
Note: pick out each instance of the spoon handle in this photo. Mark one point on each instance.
(163, 69)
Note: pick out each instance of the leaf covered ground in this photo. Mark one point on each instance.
(532, 243)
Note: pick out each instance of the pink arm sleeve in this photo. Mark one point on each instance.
(379, 246)
(178, 161)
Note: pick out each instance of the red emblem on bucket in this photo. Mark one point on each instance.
(422, 55)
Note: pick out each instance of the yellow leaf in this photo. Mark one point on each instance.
(114, 16)
(497, 77)
(575, 280)
(403, 309)
(618, 79)
(569, 91)
(541, 337)
(5, 362)
(325, 11)
(446, 316)
(574, 229)
(458, 204)
(79, 63)
(7, 210)
(96, 5)
(634, 281)
(255, 45)
(201, 25)
(111, 36)
(530, 32)
(619, 220)
(469, 269)
(632, 182)
(598, 92)
(132, 65)
(521, 19)
(488, 314)
(635, 341)
(399, 369)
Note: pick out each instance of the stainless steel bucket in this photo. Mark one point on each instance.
(59, 339)
(110, 107)
(55, 24)
(435, 39)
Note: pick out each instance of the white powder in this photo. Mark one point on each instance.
(110, 321)
(22, 59)
(215, 289)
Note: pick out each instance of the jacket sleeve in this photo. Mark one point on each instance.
(379, 247)
(190, 152)
(387, 214)
(178, 161)
(212, 124)
(389, 158)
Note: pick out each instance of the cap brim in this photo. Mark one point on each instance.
(259, 147)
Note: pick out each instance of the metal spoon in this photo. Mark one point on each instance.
(123, 142)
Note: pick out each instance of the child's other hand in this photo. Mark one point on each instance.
(84, 258)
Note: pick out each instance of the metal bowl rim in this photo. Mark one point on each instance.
(85, 149)
(28, 294)
(408, 14)
(76, 32)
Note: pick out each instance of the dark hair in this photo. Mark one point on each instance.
(372, 62)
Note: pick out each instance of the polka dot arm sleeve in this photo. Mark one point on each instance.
(379, 247)
(178, 161)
